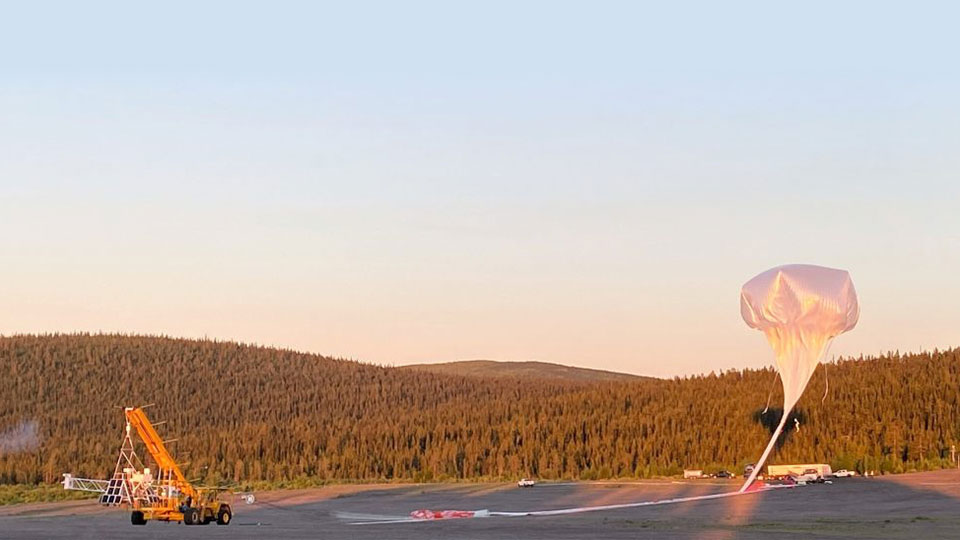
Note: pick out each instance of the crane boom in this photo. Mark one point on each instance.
(158, 450)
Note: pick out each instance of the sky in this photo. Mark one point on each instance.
(582, 183)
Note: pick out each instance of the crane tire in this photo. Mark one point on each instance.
(191, 517)
(224, 515)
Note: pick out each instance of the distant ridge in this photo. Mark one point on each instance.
(523, 370)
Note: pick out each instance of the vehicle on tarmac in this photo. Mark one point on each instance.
(526, 482)
(844, 473)
(810, 476)
(161, 494)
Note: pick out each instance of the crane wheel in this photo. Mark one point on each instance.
(191, 517)
(136, 517)
(224, 515)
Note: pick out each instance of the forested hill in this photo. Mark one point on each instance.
(524, 370)
(250, 413)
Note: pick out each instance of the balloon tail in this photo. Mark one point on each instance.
(826, 379)
(763, 458)
(826, 384)
(770, 394)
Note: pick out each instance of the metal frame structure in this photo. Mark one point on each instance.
(127, 487)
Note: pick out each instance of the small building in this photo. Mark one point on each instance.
(797, 469)
(692, 473)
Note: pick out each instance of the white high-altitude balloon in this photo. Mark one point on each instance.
(800, 308)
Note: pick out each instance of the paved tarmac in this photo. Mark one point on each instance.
(922, 505)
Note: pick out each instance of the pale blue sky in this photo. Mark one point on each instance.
(587, 183)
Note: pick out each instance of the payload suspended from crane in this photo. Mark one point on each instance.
(162, 496)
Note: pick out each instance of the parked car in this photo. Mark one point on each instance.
(726, 474)
(526, 482)
(844, 473)
(809, 476)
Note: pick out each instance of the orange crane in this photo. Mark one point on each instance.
(167, 497)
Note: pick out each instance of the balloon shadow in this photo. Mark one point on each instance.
(770, 419)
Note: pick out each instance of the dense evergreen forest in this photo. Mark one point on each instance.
(246, 413)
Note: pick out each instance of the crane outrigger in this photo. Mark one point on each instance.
(168, 496)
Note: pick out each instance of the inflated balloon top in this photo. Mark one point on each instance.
(800, 308)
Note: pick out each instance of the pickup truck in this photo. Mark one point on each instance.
(526, 482)
(809, 476)
(843, 473)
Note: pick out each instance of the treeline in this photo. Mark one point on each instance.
(244, 413)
